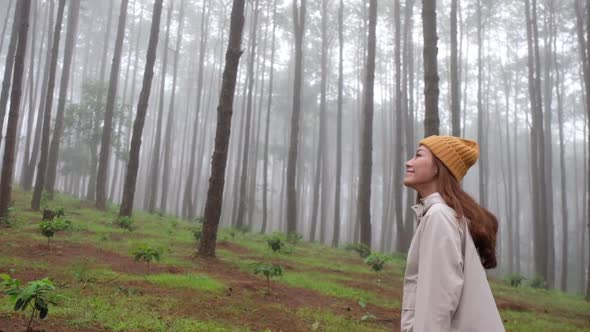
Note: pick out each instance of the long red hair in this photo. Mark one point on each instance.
(483, 225)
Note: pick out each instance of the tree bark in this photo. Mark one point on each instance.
(299, 27)
(366, 162)
(27, 182)
(11, 131)
(171, 110)
(431, 91)
(152, 188)
(133, 163)
(105, 45)
(42, 166)
(105, 143)
(70, 46)
(8, 68)
(267, 125)
(455, 87)
(223, 131)
(242, 198)
(338, 189)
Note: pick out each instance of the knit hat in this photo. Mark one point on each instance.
(457, 154)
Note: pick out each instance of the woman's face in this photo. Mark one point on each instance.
(421, 170)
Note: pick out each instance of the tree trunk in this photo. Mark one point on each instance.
(133, 163)
(107, 37)
(187, 206)
(42, 166)
(366, 162)
(32, 162)
(336, 233)
(73, 14)
(223, 131)
(408, 95)
(242, 198)
(105, 143)
(299, 27)
(402, 240)
(11, 131)
(152, 188)
(267, 125)
(10, 57)
(431, 120)
(320, 165)
(586, 200)
(455, 87)
(33, 81)
(170, 121)
(483, 199)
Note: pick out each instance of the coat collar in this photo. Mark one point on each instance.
(425, 204)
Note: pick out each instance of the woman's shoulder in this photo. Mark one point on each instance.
(443, 215)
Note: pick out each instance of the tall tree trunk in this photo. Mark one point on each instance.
(402, 238)
(33, 79)
(455, 87)
(223, 131)
(73, 14)
(336, 233)
(42, 166)
(170, 121)
(540, 249)
(105, 142)
(152, 188)
(267, 125)
(483, 199)
(10, 57)
(299, 27)
(187, 206)
(32, 162)
(408, 95)
(431, 119)
(320, 175)
(242, 198)
(586, 200)
(366, 162)
(133, 163)
(105, 45)
(8, 160)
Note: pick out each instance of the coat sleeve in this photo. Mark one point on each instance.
(440, 272)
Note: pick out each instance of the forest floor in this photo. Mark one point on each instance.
(321, 289)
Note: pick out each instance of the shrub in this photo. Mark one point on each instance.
(294, 238)
(362, 249)
(538, 282)
(376, 261)
(125, 222)
(515, 279)
(269, 270)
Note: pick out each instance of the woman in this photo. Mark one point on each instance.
(445, 285)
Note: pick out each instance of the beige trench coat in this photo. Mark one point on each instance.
(445, 284)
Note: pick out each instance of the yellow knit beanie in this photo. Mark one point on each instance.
(457, 154)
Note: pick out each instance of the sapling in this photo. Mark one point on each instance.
(147, 254)
(37, 295)
(50, 227)
(269, 270)
(276, 242)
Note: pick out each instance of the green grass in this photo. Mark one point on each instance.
(532, 322)
(192, 281)
(328, 322)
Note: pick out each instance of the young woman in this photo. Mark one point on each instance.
(445, 284)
